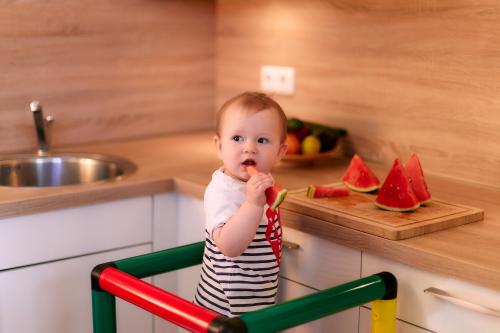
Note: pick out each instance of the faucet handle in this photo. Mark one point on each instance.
(49, 119)
(35, 106)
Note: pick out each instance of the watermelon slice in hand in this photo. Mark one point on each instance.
(316, 191)
(274, 194)
(396, 193)
(358, 176)
(416, 174)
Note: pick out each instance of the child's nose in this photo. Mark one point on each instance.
(249, 147)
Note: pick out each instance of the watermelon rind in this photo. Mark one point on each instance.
(279, 199)
(310, 191)
(318, 191)
(362, 189)
(395, 209)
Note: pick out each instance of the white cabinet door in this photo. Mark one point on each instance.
(430, 312)
(56, 297)
(365, 324)
(44, 237)
(191, 229)
(178, 220)
(342, 322)
(318, 263)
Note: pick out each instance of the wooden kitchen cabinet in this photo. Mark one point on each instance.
(55, 297)
(430, 312)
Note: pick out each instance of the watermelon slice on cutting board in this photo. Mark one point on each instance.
(418, 184)
(396, 194)
(358, 176)
(274, 194)
(317, 191)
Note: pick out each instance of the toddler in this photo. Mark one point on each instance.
(240, 266)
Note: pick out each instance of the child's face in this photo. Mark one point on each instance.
(249, 139)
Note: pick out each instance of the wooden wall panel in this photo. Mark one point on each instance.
(403, 75)
(106, 69)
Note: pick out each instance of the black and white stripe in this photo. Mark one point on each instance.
(233, 286)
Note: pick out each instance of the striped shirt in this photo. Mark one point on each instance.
(233, 286)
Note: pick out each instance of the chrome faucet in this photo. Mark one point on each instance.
(40, 125)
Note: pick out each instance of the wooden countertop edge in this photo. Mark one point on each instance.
(394, 250)
(80, 196)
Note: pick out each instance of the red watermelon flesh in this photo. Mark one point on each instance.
(274, 194)
(316, 191)
(358, 176)
(416, 174)
(396, 193)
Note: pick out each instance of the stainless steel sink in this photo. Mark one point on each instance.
(61, 169)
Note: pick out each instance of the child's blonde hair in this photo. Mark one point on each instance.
(253, 102)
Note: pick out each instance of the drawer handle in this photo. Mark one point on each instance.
(290, 245)
(460, 302)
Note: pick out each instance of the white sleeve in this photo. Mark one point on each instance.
(220, 206)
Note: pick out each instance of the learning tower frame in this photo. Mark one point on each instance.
(122, 279)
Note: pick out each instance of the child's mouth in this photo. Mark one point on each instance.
(248, 162)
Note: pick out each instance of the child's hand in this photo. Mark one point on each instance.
(256, 188)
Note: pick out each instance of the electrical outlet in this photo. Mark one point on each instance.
(277, 79)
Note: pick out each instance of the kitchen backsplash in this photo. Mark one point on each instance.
(402, 76)
(106, 69)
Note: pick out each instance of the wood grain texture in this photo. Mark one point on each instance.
(106, 70)
(402, 76)
(358, 211)
(185, 163)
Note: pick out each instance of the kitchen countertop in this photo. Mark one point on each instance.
(185, 162)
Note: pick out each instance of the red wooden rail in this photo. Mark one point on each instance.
(157, 301)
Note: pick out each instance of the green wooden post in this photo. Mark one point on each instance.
(162, 261)
(311, 307)
(103, 312)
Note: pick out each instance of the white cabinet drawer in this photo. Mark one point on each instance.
(428, 311)
(318, 263)
(345, 321)
(43, 237)
(365, 324)
(56, 297)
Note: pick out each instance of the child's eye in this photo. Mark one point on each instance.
(237, 138)
(263, 140)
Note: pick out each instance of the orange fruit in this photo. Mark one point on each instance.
(293, 144)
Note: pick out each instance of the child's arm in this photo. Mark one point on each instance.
(238, 232)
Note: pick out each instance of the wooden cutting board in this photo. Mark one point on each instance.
(358, 211)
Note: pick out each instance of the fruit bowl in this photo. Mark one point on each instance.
(309, 142)
(300, 159)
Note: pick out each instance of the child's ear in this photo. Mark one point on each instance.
(218, 146)
(282, 151)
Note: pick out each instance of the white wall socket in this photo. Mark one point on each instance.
(277, 79)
